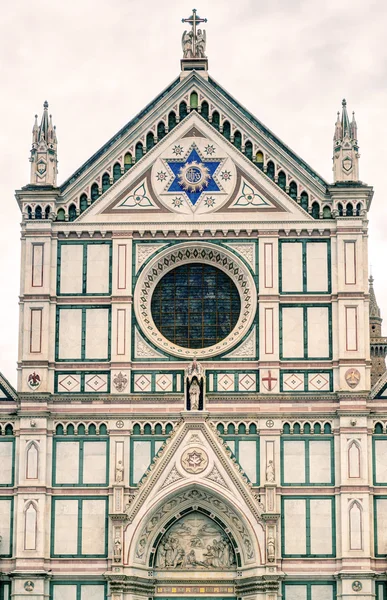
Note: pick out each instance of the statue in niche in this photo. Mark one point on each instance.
(195, 386)
(270, 474)
(195, 542)
(117, 550)
(194, 394)
(271, 547)
(119, 472)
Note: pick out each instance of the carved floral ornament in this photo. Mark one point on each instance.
(193, 252)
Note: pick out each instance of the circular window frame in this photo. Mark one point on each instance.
(191, 252)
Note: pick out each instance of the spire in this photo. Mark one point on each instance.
(353, 128)
(378, 343)
(374, 308)
(44, 150)
(345, 120)
(345, 150)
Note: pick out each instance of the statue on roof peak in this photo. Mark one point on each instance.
(194, 42)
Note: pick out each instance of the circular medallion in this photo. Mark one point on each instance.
(29, 586)
(357, 586)
(194, 460)
(352, 377)
(119, 424)
(193, 177)
(270, 423)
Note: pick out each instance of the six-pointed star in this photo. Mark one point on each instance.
(208, 166)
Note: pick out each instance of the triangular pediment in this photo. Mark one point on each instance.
(7, 392)
(194, 174)
(196, 469)
(379, 390)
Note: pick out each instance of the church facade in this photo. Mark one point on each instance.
(197, 414)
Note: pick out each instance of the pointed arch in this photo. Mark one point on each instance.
(83, 202)
(293, 190)
(304, 201)
(30, 525)
(183, 110)
(116, 171)
(205, 110)
(327, 213)
(215, 120)
(227, 130)
(94, 192)
(194, 100)
(315, 210)
(354, 459)
(282, 180)
(270, 170)
(259, 160)
(29, 212)
(139, 151)
(47, 211)
(38, 212)
(105, 182)
(128, 161)
(72, 212)
(150, 141)
(355, 517)
(238, 140)
(171, 120)
(349, 209)
(143, 536)
(161, 130)
(32, 461)
(249, 150)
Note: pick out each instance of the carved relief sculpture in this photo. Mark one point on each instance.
(270, 473)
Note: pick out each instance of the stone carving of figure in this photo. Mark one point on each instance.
(119, 472)
(271, 548)
(117, 550)
(186, 43)
(195, 368)
(194, 394)
(200, 43)
(270, 474)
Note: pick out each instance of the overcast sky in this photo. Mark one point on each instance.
(98, 62)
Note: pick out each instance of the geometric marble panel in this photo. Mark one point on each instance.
(96, 383)
(69, 383)
(293, 382)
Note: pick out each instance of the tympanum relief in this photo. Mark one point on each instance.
(195, 542)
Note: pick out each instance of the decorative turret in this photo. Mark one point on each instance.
(378, 343)
(44, 161)
(345, 148)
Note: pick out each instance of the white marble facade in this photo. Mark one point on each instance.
(118, 477)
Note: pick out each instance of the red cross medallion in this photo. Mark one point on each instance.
(268, 381)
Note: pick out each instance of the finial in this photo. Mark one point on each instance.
(344, 103)
(45, 105)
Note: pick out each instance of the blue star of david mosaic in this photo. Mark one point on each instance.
(194, 175)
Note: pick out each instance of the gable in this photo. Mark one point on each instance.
(7, 392)
(222, 114)
(194, 174)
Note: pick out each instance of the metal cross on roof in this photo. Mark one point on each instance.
(194, 20)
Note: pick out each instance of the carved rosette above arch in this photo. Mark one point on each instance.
(194, 252)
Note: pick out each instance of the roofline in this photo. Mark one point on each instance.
(268, 132)
(118, 135)
(8, 387)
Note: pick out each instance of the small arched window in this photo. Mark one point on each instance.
(296, 428)
(47, 211)
(317, 428)
(286, 428)
(270, 169)
(94, 192)
(92, 429)
(128, 161)
(215, 120)
(238, 140)
(136, 429)
(378, 428)
(327, 428)
(315, 210)
(282, 180)
(227, 130)
(231, 428)
(60, 215)
(327, 213)
(72, 212)
(59, 430)
(205, 110)
(171, 120)
(83, 202)
(340, 209)
(81, 429)
(147, 429)
(158, 429)
(293, 190)
(358, 209)
(150, 141)
(307, 428)
(304, 201)
(349, 211)
(249, 150)
(105, 182)
(253, 428)
(259, 160)
(220, 428)
(241, 428)
(103, 429)
(116, 171)
(194, 101)
(139, 151)
(38, 212)
(70, 429)
(168, 428)
(160, 130)
(183, 111)
(29, 212)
